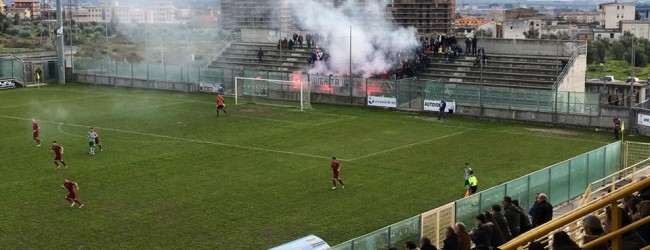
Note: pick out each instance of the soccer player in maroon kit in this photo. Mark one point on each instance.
(58, 155)
(35, 133)
(72, 188)
(336, 171)
(97, 139)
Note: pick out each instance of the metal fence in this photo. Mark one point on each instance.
(405, 94)
(561, 182)
(510, 98)
(12, 68)
(189, 74)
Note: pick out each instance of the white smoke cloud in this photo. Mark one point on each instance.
(372, 35)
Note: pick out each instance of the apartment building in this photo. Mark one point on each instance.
(105, 11)
(19, 7)
(612, 13)
(580, 17)
(427, 16)
(255, 14)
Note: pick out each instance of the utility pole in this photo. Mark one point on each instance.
(351, 84)
(70, 4)
(59, 43)
(632, 80)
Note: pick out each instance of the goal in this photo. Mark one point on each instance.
(294, 94)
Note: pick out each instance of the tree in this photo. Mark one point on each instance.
(483, 33)
(617, 50)
(531, 33)
(112, 25)
(562, 35)
(597, 50)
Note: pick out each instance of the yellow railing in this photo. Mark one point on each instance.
(434, 222)
(625, 174)
(608, 200)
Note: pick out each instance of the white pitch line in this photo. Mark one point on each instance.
(554, 137)
(347, 117)
(169, 104)
(138, 96)
(407, 145)
(337, 120)
(350, 116)
(256, 118)
(275, 120)
(179, 138)
(47, 101)
(66, 133)
(321, 113)
(76, 135)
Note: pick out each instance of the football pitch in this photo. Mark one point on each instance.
(174, 175)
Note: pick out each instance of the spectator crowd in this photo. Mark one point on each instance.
(508, 220)
(405, 64)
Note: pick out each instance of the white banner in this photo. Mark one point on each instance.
(211, 88)
(434, 105)
(311, 242)
(643, 120)
(380, 101)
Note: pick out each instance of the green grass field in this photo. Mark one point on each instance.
(173, 175)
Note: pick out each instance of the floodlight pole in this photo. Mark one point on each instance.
(59, 43)
(351, 101)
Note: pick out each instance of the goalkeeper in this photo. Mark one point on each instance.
(220, 104)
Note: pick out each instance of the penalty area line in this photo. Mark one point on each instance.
(169, 104)
(179, 138)
(252, 117)
(119, 140)
(407, 145)
(48, 101)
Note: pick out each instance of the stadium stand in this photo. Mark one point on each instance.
(241, 54)
(501, 70)
(536, 72)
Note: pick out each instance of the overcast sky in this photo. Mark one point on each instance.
(7, 2)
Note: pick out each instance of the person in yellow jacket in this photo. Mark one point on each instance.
(473, 183)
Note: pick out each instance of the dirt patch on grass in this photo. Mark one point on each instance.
(550, 131)
(427, 118)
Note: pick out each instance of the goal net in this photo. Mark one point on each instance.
(293, 94)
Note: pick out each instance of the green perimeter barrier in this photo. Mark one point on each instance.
(162, 72)
(409, 94)
(12, 68)
(561, 182)
(394, 235)
(513, 98)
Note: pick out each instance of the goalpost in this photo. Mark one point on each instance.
(294, 94)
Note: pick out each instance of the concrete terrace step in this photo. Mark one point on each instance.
(490, 76)
(255, 61)
(493, 68)
(271, 67)
(550, 57)
(267, 53)
(528, 75)
(496, 61)
(491, 80)
(272, 47)
(485, 84)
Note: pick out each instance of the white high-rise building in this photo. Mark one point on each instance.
(611, 14)
(105, 11)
